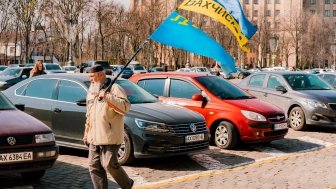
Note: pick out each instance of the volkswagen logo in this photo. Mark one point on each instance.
(11, 141)
(193, 127)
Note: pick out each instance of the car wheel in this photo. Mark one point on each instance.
(34, 175)
(225, 135)
(297, 119)
(126, 151)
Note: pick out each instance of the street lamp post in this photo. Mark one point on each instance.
(70, 22)
(273, 46)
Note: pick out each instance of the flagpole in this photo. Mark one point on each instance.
(129, 60)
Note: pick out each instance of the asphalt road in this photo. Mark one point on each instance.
(301, 160)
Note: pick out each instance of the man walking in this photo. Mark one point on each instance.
(104, 129)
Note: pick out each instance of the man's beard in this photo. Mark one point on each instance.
(95, 88)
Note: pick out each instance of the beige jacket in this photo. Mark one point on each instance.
(105, 119)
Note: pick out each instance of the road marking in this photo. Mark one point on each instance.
(269, 151)
(315, 141)
(207, 162)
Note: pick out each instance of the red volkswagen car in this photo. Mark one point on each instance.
(231, 114)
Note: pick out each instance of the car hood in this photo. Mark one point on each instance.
(18, 122)
(257, 105)
(326, 96)
(6, 77)
(164, 113)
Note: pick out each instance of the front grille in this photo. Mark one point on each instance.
(332, 106)
(275, 133)
(180, 148)
(183, 129)
(20, 140)
(277, 118)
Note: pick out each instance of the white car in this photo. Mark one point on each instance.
(69, 69)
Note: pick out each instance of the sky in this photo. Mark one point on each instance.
(125, 3)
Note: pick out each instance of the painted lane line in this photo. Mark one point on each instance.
(270, 151)
(315, 141)
(207, 162)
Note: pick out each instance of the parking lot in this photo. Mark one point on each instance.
(249, 164)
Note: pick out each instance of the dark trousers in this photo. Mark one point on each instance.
(104, 159)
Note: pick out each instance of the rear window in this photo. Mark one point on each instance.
(52, 67)
(138, 67)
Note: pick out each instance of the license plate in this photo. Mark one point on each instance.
(280, 126)
(194, 138)
(12, 157)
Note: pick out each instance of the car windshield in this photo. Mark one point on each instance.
(135, 94)
(201, 69)
(11, 72)
(70, 68)
(306, 82)
(138, 67)
(52, 67)
(104, 64)
(5, 104)
(222, 88)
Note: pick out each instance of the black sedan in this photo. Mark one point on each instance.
(151, 128)
(13, 75)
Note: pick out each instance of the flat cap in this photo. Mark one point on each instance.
(95, 68)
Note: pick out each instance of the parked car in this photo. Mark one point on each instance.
(116, 69)
(137, 68)
(27, 146)
(88, 64)
(156, 69)
(52, 68)
(200, 70)
(151, 128)
(13, 75)
(329, 77)
(231, 114)
(306, 99)
(69, 69)
(29, 65)
(241, 73)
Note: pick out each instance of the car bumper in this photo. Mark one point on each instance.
(151, 145)
(43, 158)
(263, 132)
(320, 116)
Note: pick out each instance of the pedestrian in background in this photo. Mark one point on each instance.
(38, 69)
(104, 129)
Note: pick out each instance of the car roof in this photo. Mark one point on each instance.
(180, 74)
(282, 73)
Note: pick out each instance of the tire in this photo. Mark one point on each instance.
(225, 135)
(297, 119)
(126, 151)
(34, 175)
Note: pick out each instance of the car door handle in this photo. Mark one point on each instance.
(57, 110)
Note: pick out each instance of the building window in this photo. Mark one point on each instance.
(334, 13)
(277, 13)
(255, 13)
(327, 13)
(277, 1)
(247, 1)
(268, 12)
(312, 2)
(327, 1)
(255, 2)
(313, 11)
(269, 1)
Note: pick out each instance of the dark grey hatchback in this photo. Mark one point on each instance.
(151, 128)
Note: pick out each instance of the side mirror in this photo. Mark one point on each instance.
(81, 102)
(197, 97)
(20, 106)
(281, 88)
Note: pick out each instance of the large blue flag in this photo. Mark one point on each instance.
(235, 9)
(177, 31)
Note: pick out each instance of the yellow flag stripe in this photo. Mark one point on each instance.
(216, 11)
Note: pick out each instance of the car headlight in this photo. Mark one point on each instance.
(253, 115)
(316, 104)
(3, 83)
(41, 138)
(152, 126)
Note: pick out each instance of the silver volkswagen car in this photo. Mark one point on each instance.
(307, 99)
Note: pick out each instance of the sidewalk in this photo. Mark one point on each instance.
(309, 170)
